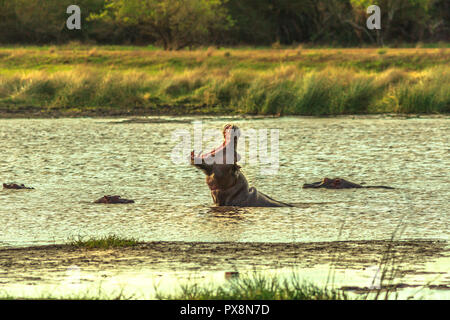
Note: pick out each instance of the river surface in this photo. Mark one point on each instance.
(72, 162)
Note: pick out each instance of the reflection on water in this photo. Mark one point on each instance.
(72, 162)
(144, 284)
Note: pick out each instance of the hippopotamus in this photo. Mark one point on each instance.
(15, 186)
(113, 200)
(227, 183)
(338, 183)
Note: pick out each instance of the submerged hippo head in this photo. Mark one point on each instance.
(219, 165)
(336, 183)
(113, 200)
(15, 186)
(339, 183)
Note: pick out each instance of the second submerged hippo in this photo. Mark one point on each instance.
(15, 186)
(113, 200)
(338, 183)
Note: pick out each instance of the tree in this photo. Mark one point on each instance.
(37, 21)
(293, 21)
(175, 24)
(400, 19)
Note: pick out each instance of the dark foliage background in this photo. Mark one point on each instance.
(241, 22)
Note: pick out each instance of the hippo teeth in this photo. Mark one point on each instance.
(231, 135)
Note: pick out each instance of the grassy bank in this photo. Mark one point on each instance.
(102, 242)
(111, 254)
(257, 286)
(70, 81)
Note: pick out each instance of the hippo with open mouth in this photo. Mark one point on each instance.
(338, 183)
(227, 183)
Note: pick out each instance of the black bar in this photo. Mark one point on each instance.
(254, 309)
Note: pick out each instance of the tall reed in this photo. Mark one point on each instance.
(285, 90)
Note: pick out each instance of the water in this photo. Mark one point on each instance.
(72, 162)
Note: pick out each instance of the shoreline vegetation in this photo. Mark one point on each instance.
(102, 242)
(80, 80)
(110, 253)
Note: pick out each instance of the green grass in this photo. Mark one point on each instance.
(256, 286)
(427, 95)
(153, 60)
(117, 81)
(102, 242)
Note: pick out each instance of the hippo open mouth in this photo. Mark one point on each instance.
(225, 153)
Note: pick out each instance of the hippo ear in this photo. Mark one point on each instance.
(236, 167)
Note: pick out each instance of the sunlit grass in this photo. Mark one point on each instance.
(244, 58)
(102, 242)
(265, 81)
(256, 286)
(325, 92)
(429, 94)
